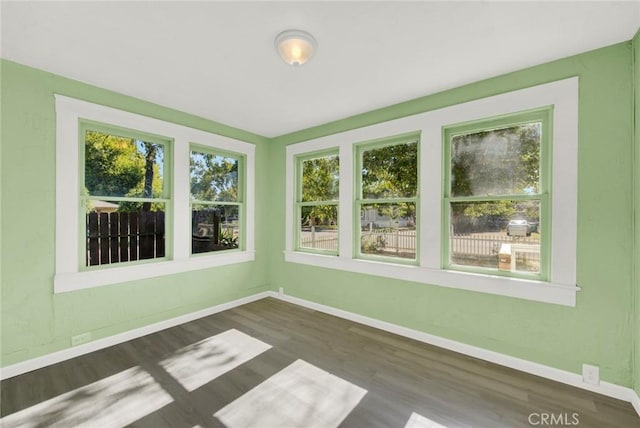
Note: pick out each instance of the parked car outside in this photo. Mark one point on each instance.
(518, 228)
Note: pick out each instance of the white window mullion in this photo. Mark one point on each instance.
(181, 201)
(250, 168)
(345, 205)
(289, 201)
(430, 197)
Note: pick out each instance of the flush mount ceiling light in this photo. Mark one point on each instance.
(295, 47)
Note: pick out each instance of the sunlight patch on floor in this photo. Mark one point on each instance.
(198, 364)
(419, 421)
(115, 401)
(300, 395)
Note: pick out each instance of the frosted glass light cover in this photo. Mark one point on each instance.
(295, 47)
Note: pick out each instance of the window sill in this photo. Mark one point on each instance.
(64, 282)
(540, 291)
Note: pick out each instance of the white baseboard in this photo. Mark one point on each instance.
(569, 378)
(76, 351)
(635, 401)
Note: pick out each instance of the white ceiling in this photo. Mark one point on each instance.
(217, 59)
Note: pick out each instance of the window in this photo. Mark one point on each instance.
(387, 198)
(317, 202)
(497, 195)
(478, 196)
(216, 200)
(124, 193)
(127, 187)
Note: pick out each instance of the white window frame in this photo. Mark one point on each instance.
(69, 275)
(360, 200)
(299, 204)
(239, 202)
(542, 116)
(561, 287)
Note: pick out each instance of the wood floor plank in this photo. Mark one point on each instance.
(402, 377)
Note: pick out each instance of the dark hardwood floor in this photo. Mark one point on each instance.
(402, 377)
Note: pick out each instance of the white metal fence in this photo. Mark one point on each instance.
(481, 249)
(404, 241)
(486, 243)
(399, 240)
(321, 240)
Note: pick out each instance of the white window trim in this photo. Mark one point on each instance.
(69, 276)
(560, 289)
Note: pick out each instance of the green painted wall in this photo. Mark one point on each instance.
(636, 79)
(599, 329)
(34, 320)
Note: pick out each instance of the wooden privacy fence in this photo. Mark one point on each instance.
(124, 236)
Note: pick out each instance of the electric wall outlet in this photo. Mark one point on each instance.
(281, 291)
(591, 374)
(80, 339)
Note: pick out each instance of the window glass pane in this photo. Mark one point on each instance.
(320, 179)
(388, 230)
(390, 172)
(214, 228)
(213, 177)
(124, 231)
(319, 227)
(499, 162)
(122, 166)
(501, 235)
